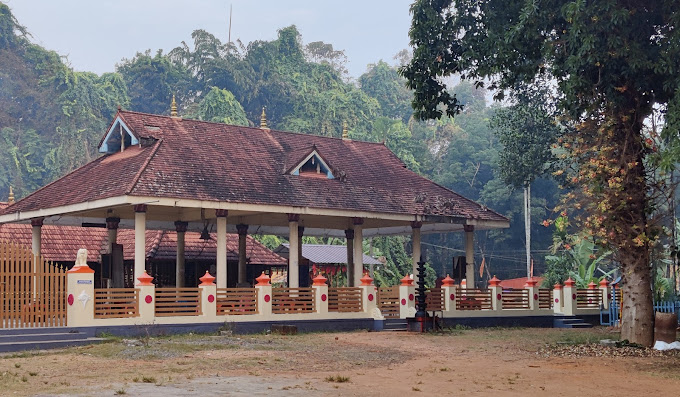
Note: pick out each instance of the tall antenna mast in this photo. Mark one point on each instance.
(230, 10)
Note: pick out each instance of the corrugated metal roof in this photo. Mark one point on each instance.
(330, 254)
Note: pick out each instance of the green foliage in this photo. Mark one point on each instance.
(220, 106)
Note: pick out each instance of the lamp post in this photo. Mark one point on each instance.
(420, 322)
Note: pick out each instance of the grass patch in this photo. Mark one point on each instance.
(337, 379)
(148, 379)
(120, 392)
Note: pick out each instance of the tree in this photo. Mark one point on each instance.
(220, 106)
(526, 130)
(612, 62)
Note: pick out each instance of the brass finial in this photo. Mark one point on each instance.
(263, 119)
(11, 195)
(345, 133)
(173, 107)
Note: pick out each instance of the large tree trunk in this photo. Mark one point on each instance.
(637, 324)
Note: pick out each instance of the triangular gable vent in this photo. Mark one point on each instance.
(112, 141)
(313, 165)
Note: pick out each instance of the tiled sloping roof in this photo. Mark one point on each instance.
(61, 244)
(3, 205)
(247, 165)
(330, 254)
(518, 283)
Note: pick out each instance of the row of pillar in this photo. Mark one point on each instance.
(354, 236)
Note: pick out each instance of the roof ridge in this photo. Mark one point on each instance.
(143, 167)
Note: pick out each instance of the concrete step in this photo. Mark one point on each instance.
(45, 330)
(45, 345)
(570, 322)
(392, 325)
(20, 339)
(37, 337)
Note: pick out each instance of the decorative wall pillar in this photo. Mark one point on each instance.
(532, 286)
(496, 294)
(147, 296)
(449, 289)
(242, 270)
(293, 251)
(470, 255)
(604, 287)
(415, 242)
(208, 297)
(349, 235)
(180, 228)
(320, 294)
(221, 257)
(80, 295)
(557, 298)
(358, 251)
(407, 297)
(264, 295)
(569, 298)
(369, 294)
(140, 240)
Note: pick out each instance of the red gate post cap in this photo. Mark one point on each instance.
(366, 280)
(145, 279)
(604, 283)
(407, 280)
(206, 280)
(557, 286)
(494, 282)
(569, 282)
(531, 282)
(592, 285)
(448, 281)
(319, 280)
(263, 280)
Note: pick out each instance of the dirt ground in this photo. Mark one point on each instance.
(513, 362)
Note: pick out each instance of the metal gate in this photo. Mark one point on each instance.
(388, 301)
(32, 290)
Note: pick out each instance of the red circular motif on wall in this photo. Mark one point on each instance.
(557, 300)
(498, 296)
(148, 299)
(267, 298)
(211, 298)
(403, 302)
(573, 296)
(70, 299)
(452, 297)
(590, 300)
(370, 297)
(323, 297)
(410, 297)
(535, 297)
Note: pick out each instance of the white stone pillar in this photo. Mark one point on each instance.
(407, 294)
(606, 292)
(470, 255)
(449, 287)
(569, 298)
(147, 298)
(557, 298)
(415, 241)
(180, 228)
(264, 295)
(496, 294)
(242, 270)
(293, 254)
(221, 257)
(358, 253)
(140, 240)
(320, 294)
(208, 298)
(80, 296)
(532, 287)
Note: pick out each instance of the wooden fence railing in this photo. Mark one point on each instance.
(178, 302)
(32, 290)
(473, 299)
(293, 300)
(515, 299)
(116, 303)
(545, 298)
(345, 299)
(588, 298)
(388, 301)
(434, 299)
(236, 301)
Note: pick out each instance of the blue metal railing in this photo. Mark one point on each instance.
(612, 316)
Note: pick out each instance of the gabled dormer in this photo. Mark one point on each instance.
(312, 165)
(119, 132)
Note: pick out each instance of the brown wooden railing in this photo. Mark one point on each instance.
(388, 301)
(434, 299)
(178, 302)
(345, 299)
(293, 300)
(588, 298)
(473, 299)
(515, 299)
(236, 301)
(116, 303)
(545, 298)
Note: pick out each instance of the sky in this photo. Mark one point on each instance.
(94, 35)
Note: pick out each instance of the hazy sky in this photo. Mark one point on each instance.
(96, 34)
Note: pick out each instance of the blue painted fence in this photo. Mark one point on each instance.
(612, 316)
